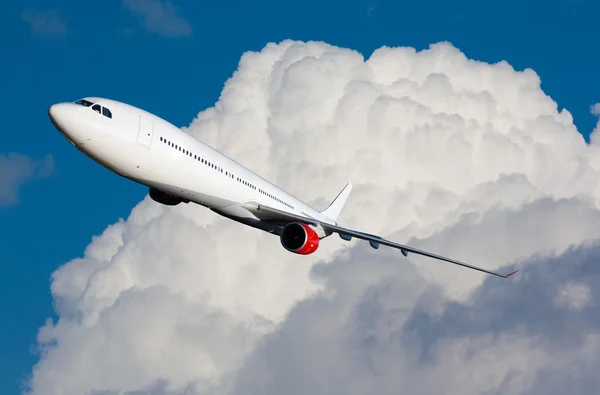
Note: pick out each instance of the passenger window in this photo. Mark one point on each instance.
(106, 112)
(97, 108)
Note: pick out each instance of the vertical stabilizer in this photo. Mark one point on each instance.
(335, 208)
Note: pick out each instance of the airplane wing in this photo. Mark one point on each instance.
(269, 213)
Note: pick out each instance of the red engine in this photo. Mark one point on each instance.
(299, 238)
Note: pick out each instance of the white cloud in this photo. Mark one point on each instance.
(461, 157)
(16, 170)
(45, 23)
(573, 295)
(160, 17)
(397, 330)
(595, 109)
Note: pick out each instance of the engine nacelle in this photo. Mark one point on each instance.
(299, 238)
(164, 198)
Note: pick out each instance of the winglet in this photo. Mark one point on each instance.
(335, 208)
(508, 275)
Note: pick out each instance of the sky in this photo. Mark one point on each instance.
(174, 59)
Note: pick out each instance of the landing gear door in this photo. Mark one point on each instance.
(145, 133)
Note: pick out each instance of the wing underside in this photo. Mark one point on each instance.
(267, 213)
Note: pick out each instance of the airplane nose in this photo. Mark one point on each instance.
(56, 112)
(52, 112)
(61, 115)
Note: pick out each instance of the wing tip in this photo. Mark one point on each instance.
(508, 275)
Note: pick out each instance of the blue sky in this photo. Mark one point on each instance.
(174, 63)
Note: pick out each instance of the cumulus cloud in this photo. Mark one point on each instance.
(160, 17)
(464, 158)
(16, 170)
(400, 332)
(45, 23)
(595, 109)
(574, 295)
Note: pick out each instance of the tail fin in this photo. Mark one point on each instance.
(333, 211)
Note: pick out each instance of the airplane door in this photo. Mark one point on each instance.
(145, 133)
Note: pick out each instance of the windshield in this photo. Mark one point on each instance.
(84, 103)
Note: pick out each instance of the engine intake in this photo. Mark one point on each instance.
(299, 238)
(164, 198)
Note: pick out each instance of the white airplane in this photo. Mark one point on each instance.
(180, 169)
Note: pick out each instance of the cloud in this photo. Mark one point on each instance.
(595, 109)
(399, 331)
(574, 295)
(160, 17)
(45, 23)
(16, 170)
(457, 156)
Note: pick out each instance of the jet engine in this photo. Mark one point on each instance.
(164, 198)
(299, 238)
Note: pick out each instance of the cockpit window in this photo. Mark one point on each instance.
(84, 103)
(106, 112)
(97, 108)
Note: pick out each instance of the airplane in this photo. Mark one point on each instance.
(177, 168)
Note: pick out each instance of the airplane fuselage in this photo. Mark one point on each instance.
(151, 151)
